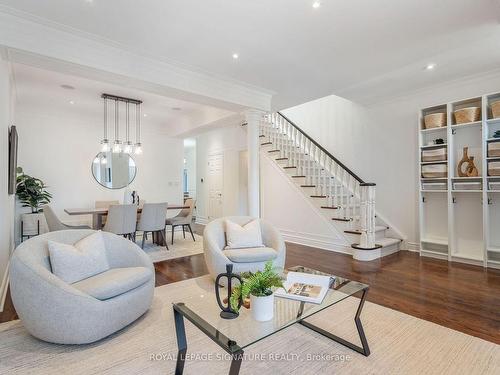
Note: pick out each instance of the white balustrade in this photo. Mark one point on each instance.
(354, 199)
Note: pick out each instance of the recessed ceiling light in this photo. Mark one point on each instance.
(316, 4)
(430, 66)
(71, 102)
(68, 87)
(145, 115)
(235, 56)
(176, 108)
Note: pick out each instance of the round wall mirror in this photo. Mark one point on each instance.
(114, 170)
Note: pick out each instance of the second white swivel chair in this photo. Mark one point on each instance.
(122, 220)
(153, 220)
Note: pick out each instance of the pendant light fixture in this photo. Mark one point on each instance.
(138, 145)
(117, 144)
(105, 140)
(128, 146)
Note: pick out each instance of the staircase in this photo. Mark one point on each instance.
(343, 197)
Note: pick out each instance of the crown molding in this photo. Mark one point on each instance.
(44, 44)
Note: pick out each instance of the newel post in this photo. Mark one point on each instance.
(367, 219)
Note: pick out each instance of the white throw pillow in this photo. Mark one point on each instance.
(86, 258)
(239, 237)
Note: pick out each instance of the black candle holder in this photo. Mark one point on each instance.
(227, 312)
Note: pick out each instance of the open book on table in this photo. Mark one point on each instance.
(305, 287)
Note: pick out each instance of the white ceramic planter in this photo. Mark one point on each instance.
(262, 308)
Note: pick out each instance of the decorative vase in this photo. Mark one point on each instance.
(227, 312)
(470, 167)
(262, 308)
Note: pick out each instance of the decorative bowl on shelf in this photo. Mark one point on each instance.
(435, 120)
(495, 109)
(465, 115)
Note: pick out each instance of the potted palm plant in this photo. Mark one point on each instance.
(31, 193)
(260, 287)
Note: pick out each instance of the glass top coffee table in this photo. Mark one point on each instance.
(233, 335)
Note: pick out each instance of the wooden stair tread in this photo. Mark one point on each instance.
(340, 219)
(298, 176)
(274, 151)
(378, 228)
(330, 208)
(266, 143)
(307, 185)
(318, 196)
(288, 167)
(281, 159)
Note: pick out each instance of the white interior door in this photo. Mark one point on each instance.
(215, 185)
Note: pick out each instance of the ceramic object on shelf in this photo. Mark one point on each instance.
(470, 167)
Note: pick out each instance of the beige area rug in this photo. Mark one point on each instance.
(400, 344)
(181, 247)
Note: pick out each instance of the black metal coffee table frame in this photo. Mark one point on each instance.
(181, 311)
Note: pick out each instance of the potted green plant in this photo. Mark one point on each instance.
(260, 287)
(31, 192)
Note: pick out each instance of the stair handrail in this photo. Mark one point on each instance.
(342, 165)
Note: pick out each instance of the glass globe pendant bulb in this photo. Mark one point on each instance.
(104, 145)
(117, 147)
(104, 160)
(127, 148)
(138, 149)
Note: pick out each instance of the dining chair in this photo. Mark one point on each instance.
(105, 204)
(183, 219)
(53, 222)
(153, 220)
(122, 220)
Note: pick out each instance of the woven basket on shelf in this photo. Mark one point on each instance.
(465, 115)
(435, 120)
(495, 109)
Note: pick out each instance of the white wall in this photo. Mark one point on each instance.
(6, 201)
(230, 141)
(59, 149)
(190, 166)
(379, 143)
(284, 205)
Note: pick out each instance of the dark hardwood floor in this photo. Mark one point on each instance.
(462, 297)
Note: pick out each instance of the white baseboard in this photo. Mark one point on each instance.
(317, 241)
(3, 288)
(413, 246)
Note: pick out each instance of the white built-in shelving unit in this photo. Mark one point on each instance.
(461, 225)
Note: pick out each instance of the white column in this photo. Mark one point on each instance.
(253, 118)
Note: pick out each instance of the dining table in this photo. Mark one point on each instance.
(99, 213)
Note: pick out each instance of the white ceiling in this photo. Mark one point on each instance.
(39, 91)
(364, 50)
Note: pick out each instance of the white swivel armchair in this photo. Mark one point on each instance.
(243, 260)
(85, 311)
